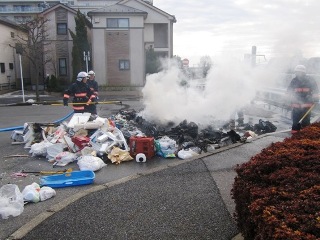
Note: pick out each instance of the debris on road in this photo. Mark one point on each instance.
(126, 134)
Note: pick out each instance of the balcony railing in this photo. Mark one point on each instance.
(22, 10)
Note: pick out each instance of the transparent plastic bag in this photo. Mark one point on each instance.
(11, 201)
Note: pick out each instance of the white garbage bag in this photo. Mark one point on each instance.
(31, 193)
(11, 201)
(40, 149)
(46, 193)
(64, 158)
(90, 162)
(187, 153)
(54, 149)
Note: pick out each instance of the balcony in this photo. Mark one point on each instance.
(21, 10)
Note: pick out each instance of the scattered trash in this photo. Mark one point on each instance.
(141, 158)
(31, 193)
(142, 145)
(166, 147)
(188, 153)
(16, 156)
(46, 193)
(34, 193)
(92, 141)
(90, 162)
(11, 201)
(118, 155)
(48, 172)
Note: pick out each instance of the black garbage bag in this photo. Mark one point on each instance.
(234, 137)
(129, 114)
(264, 127)
(192, 129)
(210, 135)
(185, 128)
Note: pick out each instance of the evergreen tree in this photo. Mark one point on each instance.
(80, 44)
(153, 64)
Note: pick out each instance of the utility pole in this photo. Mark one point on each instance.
(19, 51)
(253, 56)
(86, 58)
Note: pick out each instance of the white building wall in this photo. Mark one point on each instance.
(99, 52)
(153, 18)
(7, 53)
(148, 32)
(137, 57)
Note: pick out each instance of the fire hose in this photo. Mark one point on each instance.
(56, 103)
(21, 127)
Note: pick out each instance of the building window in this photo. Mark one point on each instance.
(22, 8)
(22, 19)
(117, 22)
(3, 8)
(11, 66)
(62, 28)
(62, 66)
(124, 64)
(2, 67)
(12, 34)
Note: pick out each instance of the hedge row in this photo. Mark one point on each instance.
(277, 193)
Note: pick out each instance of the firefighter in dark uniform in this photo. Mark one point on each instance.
(81, 93)
(303, 93)
(93, 85)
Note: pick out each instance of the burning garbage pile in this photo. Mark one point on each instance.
(92, 142)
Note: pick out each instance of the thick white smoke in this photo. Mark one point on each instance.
(229, 86)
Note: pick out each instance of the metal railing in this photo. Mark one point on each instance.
(277, 97)
(7, 86)
(21, 10)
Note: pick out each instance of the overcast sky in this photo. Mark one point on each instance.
(231, 27)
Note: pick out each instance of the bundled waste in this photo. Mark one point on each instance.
(91, 141)
(12, 200)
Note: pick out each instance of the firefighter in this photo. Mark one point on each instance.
(303, 92)
(81, 93)
(93, 85)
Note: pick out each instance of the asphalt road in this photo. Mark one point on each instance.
(161, 199)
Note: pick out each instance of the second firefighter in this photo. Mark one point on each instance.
(82, 95)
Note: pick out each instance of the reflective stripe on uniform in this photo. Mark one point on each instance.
(305, 105)
(78, 107)
(302, 89)
(80, 94)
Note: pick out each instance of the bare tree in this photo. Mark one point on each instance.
(34, 47)
(205, 64)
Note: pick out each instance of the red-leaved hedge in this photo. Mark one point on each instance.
(277, 193)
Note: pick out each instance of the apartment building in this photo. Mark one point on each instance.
(122, 31)
(10, 70)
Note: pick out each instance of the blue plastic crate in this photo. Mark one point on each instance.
(70, 179)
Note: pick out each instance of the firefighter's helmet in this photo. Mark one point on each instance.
(91, 73)
(300, 68)
(81, 75)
